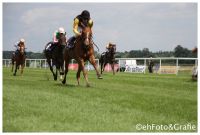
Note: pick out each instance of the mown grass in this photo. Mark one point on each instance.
(34, 102)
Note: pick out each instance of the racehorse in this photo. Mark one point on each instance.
(108, 58)
(83, 50)
(55, 56)
(18, 59)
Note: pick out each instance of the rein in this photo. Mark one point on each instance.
(95, 45)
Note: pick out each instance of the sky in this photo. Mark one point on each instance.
(131, 26)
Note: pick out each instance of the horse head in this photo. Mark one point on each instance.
(194, 50)
(86, 36)
(62, 39)
(21, 50)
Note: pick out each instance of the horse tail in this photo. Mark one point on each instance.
(100, 60)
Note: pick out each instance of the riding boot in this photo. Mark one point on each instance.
(16, 52)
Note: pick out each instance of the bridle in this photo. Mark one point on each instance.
(60, 42)
(21, 50)
(88, 37)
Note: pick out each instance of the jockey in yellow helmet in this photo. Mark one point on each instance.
(79, 22)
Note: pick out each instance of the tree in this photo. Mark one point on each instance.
(146, 52)
(179, 51)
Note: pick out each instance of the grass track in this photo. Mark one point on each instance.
(34, 102)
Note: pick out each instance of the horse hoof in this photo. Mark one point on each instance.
(63, 82)
(88, 85)
(14, 74)
(61, 78)
(55, 79)
(100, 77)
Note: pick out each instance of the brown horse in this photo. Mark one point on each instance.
(83, 50)
(18, 59)
(108, 58)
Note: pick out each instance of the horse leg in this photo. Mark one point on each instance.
(78, 74)
(56, 75)
(66, 70)
(61, 74)
(113, 68)
(50, 66)
(22, 67)
(101, 67)
(62, 71)
(81, 64)
(92, 61)
(16, 66)
(12, 66)
(104, 64)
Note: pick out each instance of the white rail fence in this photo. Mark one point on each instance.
(161, 65)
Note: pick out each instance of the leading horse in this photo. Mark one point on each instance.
(83, 50)
(18, 59)
(108, 58)
(55, 56)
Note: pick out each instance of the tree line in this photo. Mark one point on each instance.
(178, 51)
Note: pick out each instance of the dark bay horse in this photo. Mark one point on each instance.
(55, 56)
(18, 59)
(108, 58)
(83, 50)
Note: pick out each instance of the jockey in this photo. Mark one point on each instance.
(56, 35)
(21, 42)
(108, 46)
(79, 22)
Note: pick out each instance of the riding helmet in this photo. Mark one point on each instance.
(85, 14)
(22, 40)
(61, 30)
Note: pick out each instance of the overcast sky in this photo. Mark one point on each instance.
(132, 26)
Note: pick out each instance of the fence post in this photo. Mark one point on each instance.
(119, 65)
(25, 63)
(160, 66)
(196, 62)
(145, 66)
(176, 66)
(35, 63)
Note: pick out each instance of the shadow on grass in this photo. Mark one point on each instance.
(65, 85)
(74, 86)
(192, 81)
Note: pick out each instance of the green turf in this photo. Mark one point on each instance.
(34, 102)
